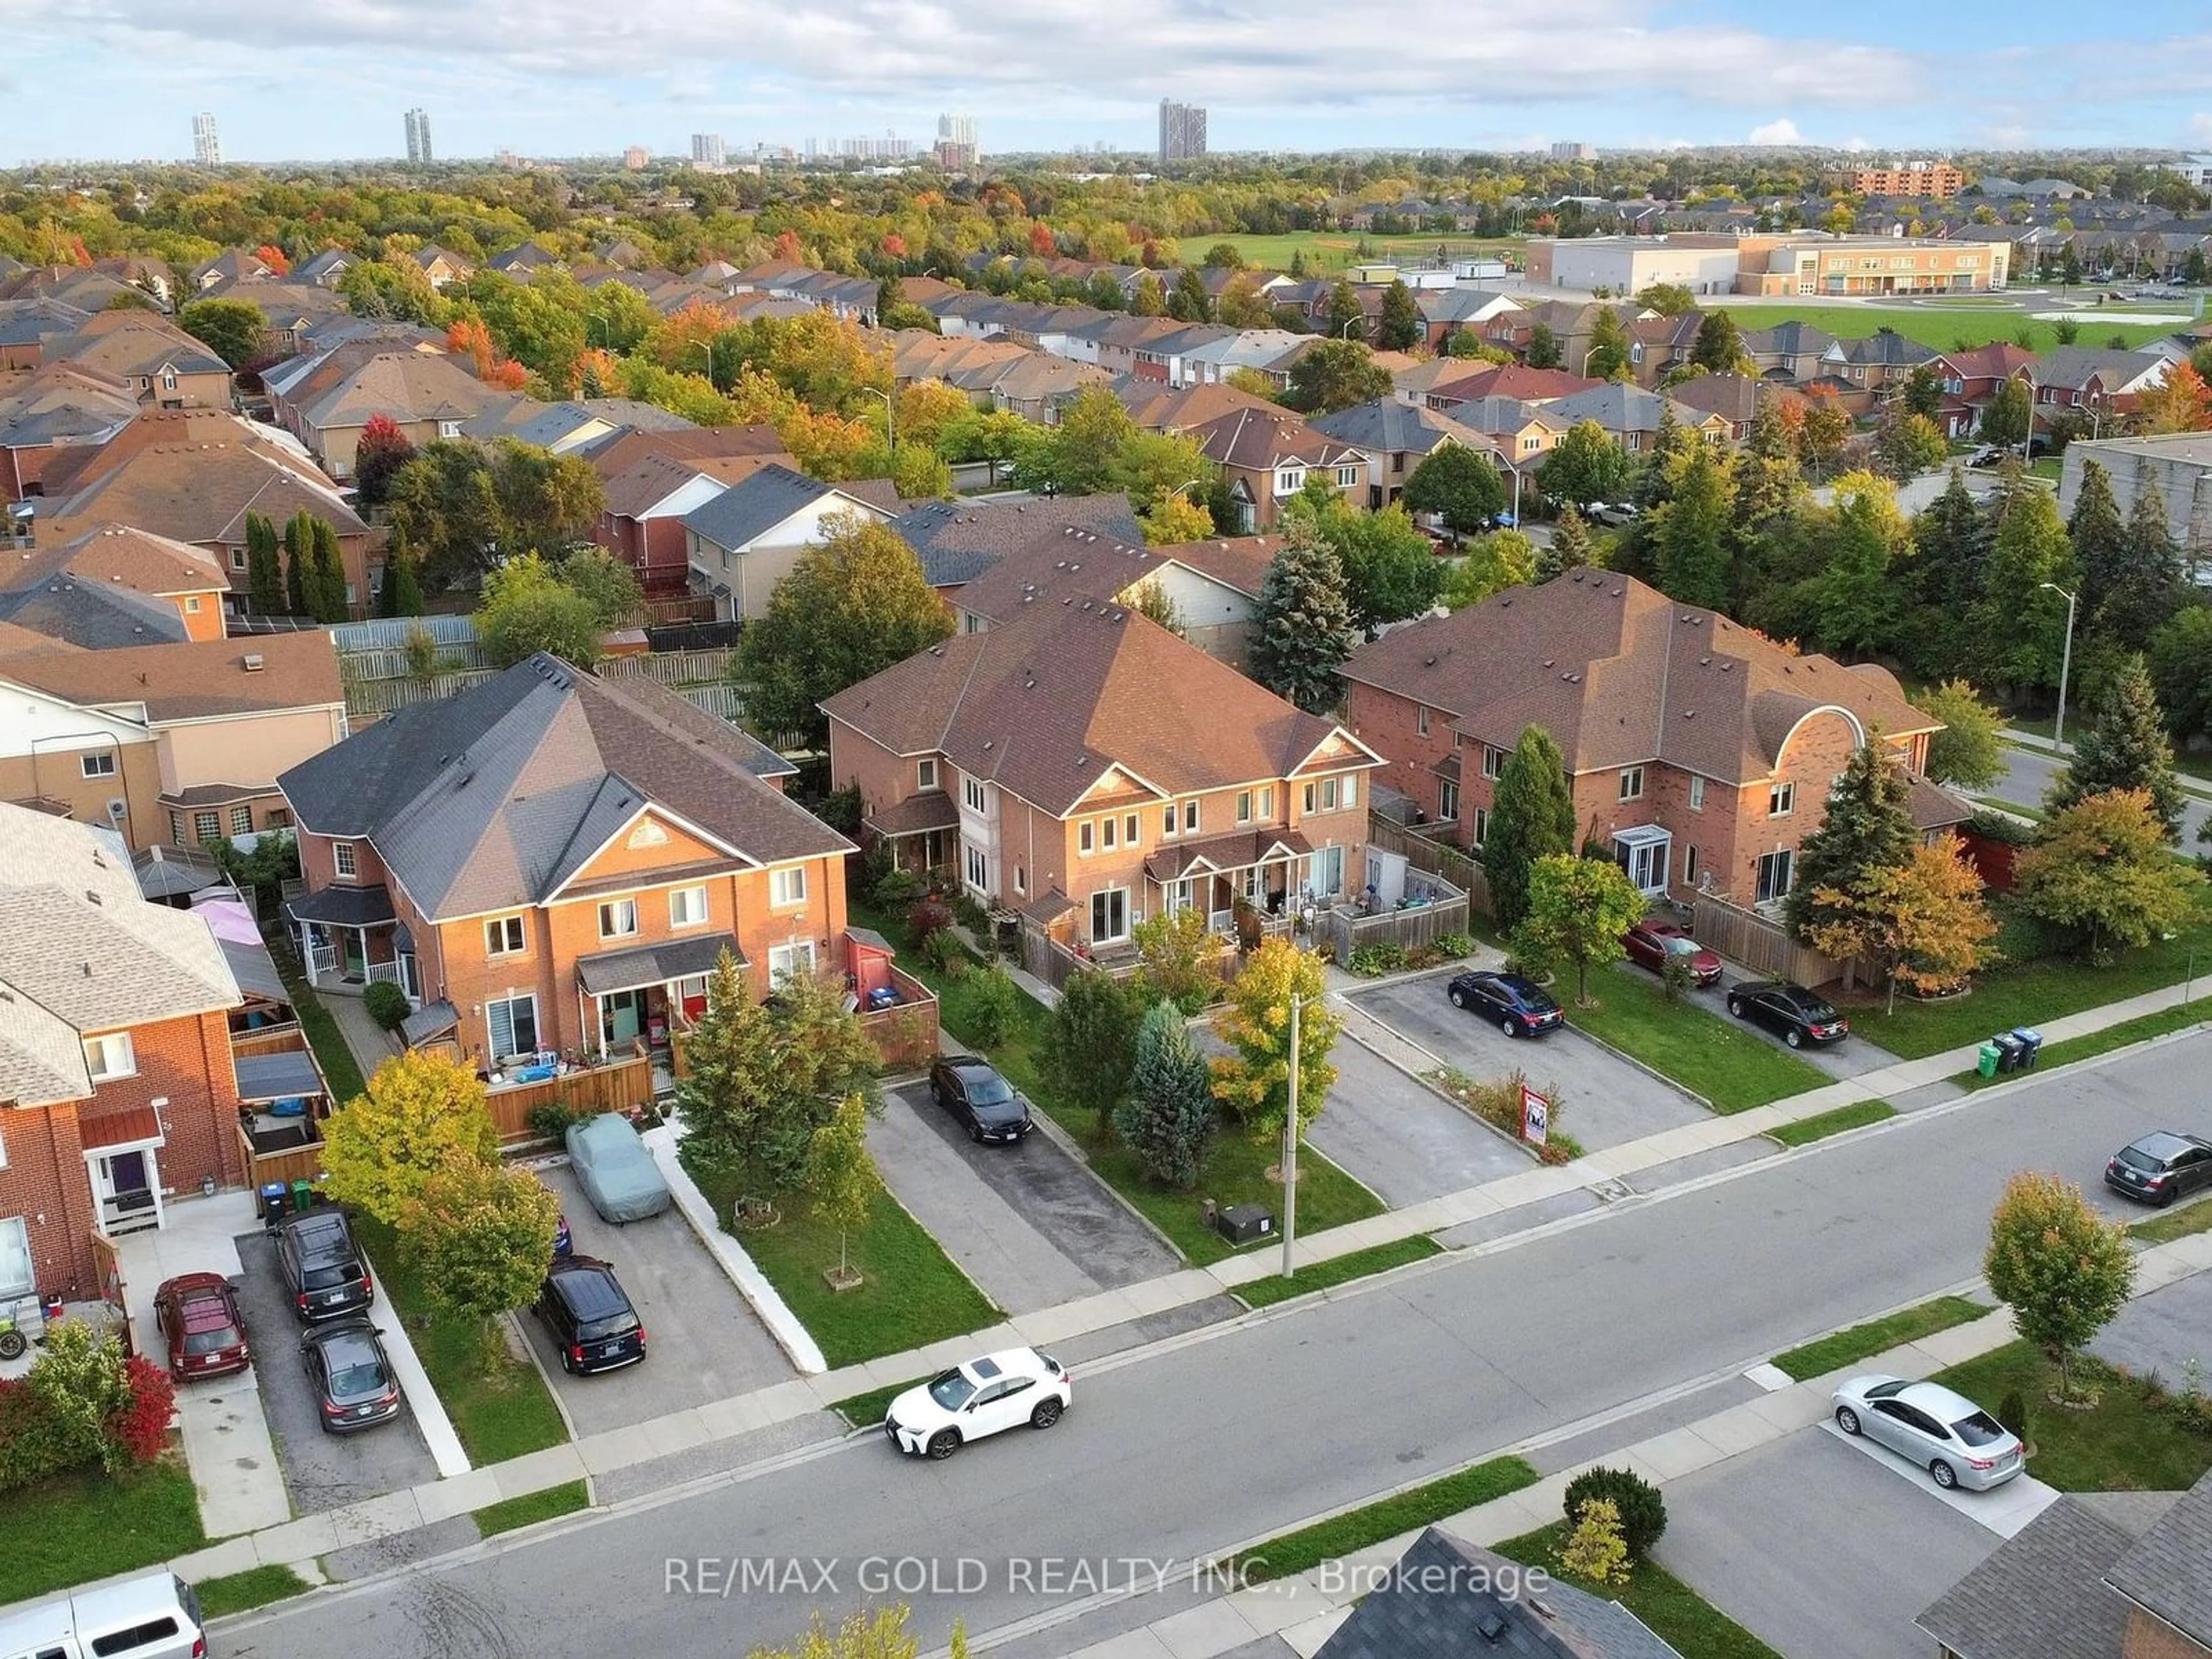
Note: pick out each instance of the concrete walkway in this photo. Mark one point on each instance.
(371, 1043)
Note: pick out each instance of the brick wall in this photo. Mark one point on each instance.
(2147, 1638)
(1390, 725)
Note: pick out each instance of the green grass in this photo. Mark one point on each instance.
(2121, 1444)
(1674, 1613)
(1943, 328)
(498, 1415)
(340, 1070)
(85, 1526)
(528, 1510)
(1844, 1347)
(1418, 1506)
(242, 1592)
(2093, 1043)
(2049, 467)
(2183, 1223)
(867, 1411)
(1338, 1270)
(1684, 1040)
(1807, 1130)
(1333, 250)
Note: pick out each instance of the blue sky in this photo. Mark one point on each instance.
(332, 79)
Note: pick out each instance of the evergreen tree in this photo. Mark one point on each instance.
(1188, 302)
(299, 552)
(1719, 347)
(1090, 1034)
(1858, 593)
(1344, 320)
(328, 597)
(1168, 1117)
(1148, 299)
(1691, 537)
(1399, 327)
(2125, 749)
(2147, 586)
(2019, 625)
(1305, 629)
(1769, 481)
(407, 582)
(1532, 816)
(1570, 546)
(1607, 357)
(264, 569)
(1543, 352)
(2099, 538)
(1867, 826)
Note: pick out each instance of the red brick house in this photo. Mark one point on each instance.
(643, 523)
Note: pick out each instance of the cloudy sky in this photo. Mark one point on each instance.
(122, 78)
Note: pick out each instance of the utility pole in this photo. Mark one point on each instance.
(1291, 1149)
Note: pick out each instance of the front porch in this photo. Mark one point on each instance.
(1277, 875)
(350, 938)
(644, 993)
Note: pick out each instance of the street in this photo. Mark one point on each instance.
(1244, 1433)
(2029, 774)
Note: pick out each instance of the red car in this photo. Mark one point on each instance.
(1650, 943)
(200, 1323)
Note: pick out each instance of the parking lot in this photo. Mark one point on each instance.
(322, 1471)
(1607, 1100)
(1855, 1055)
(1402, 1139)
(702, 1342)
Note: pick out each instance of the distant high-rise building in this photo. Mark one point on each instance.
(207, 147)
(418, 137)
(708, 150)
(635, 157)
(1569, 149)
(1183, 131)
(957, 144)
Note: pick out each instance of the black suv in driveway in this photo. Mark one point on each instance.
(589, 1317)
(973, 1091)
(320, 1265)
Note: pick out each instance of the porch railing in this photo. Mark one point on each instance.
(386, 973)
(615, 1086)
(322, 959)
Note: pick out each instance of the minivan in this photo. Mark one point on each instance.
(590, 1319)
(320, 1265)
(153, 1616)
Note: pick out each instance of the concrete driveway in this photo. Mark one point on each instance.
(1607, 1101)
(322, 1471)
(1400, 1138)
(1853, 1057)
(702, 1342)
(1818, 1550)
(1027, 1222)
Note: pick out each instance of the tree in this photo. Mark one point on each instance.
(1586, 466)
(2148, 586)
(1531, 816)
(1607, 357)
(1457, 485)
(480, 1234)
(928, 409)
(609, 583)
(2180, 402)
(1172, 518)
(1344, 319)
(1668, 298)
(2125, 748)
(1908, 445)
(1643, 1511)
(1543, 349)
(1178, 952)
(1866, 826)
(1333, 374)
(527, 608)
(1922, 922)
(1770, 479)
(854, 604)
(401, 594)
(1088, 1042)
(327, 596)
(1826, 426)
(299, 555)
(1578, 908)
(546, 502)
(2063, 1270)
(1253, 1080)
(1967, 751)
(1303, 629)
(233, 329)
(842, 1182)
(2018, 624)
(1390, 568)
(2181, 669)
(1923, 394)
(2007, 415)
(1856, 590)
(1502, 559)
(422, 1112)
(1399, 326)
(2103, 872)
(265, 571)
(2099, 538)
(1719, 347)
(993, 436)
(1187, 301)
(1690, 532)
(1168, 1117)
(445, 502)
(1148, 298)
(1570, 547)
(1594, 1551)
(1243, 305)
(381, 451)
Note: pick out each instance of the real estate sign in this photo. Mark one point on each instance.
(1536, 1115)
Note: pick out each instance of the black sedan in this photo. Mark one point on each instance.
(1517, 1006)
(355, 1387)
(2161, 1167)
(974, 1092)
(1790, 1012)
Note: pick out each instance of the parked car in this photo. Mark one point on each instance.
(1790, 1012)
(201, 1325)
(1649, 944)
(1614, 512)
(320, 1265)
(2161, 1167)
(1947, 1434)
(998, 1391)
(589, 1316)
(1517, 1006)
(974, 1092)
(155, 1616)
(355, 1387)
(617, 1175)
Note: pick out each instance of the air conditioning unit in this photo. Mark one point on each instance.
(117, 809)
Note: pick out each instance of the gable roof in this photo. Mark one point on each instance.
(1734, 398)
(1261, 440)
(958, 541)
(61, 400)
(196, 679)
(1393, 426)
(745, 512)
(496, 798)
(201, 492)
(2038, 1596)
(2075, 366)
(654, 477)
(119, 556)
(2168, 1573)
(1077, 564)
(357, 384)
(1620, 408)
(91, 616)
(1239, 563)
(139, 344)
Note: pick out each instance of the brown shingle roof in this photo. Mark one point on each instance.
(1077, 565)
(616, 453)
(199, 679)
(119, 556)
(1259, 439)
(201, 492)
(1156, 408)
(655, 477)
(1241, 563)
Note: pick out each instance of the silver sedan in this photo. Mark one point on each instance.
(1947, 1434)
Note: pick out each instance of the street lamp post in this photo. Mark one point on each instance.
(2065, 663)
(706, 346)
(1350, 323)
(890, 417)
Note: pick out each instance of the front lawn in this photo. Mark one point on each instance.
(2126, 1442)
(85, 1526)
(1838, 1349)
(242, 1592)
(1356, 1529)
(867, 1411)
(2175, 1224)
(1338, 1270)
(510, 1515)
(2090, 1044)
(1807, 1130)
(340, 1069)
(1675, 1614)
(1687, 1040)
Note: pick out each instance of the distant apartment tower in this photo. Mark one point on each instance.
(635, 157)
(1938, 179)
(708, 150)
(1570, 149)
(207, 147)
(956, 144)
(1183, 131)
(418, 137)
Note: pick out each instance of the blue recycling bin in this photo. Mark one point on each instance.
(274, 1195)
(2031, 1045)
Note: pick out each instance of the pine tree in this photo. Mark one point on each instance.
(299, 548)
(1691, 533)
(2020, 626)
(2099, 539)
(1951, 544)
(1768, 479)
(1532, 816)
(1188, 302)
(1399, 327)
(1570, 546)
(327, 598)
(2126, 749)
(1606, 358)
(1867, 826)
(2148, 586)
(1168, 1117)
(1305, 629)
(387, 588)
(264, 570)
(403, 583)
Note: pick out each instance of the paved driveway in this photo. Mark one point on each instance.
(1609, 1101)
(1817, 1549)
(702, 1342)
(1401, 1139)
(321, 1471)
(1853, 1057)
(1027, 1223)
(2162, 1332)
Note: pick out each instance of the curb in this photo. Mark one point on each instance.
(446, 1448)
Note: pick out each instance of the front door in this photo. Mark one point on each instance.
(354, 947)
(123, 1183)
(621, 1018)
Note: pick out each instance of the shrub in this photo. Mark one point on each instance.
(549, 1120)
(944, 951)
(386, 1004)
(138, 1432)
(1996, 826)
(841, 808)
(993, 1007)
(1454, 944)
(1676, 976)
(1373, 961)
(1497, 1101)
(971, 914)
(930, 917)
(32, 1446)
(2012, 1412)
(895, 890)
(1643, 1511)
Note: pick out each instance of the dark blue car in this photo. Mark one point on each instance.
(1517, 1006)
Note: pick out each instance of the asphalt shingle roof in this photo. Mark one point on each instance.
(2038, 1596)
(2169, 1571)
(958, 541)
(745, 512)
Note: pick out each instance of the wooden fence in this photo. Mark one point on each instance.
(905, 1035)
(614, 1087)
(1345, 930)
(293, 1163)
(673, 668)
(1759, 943)
(374, 698)
(1434, 855)
(284, 1039)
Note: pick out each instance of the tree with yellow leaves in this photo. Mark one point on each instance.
(422, 1112)
(1255, 1081)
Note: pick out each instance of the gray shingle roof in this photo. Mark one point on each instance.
(1393, 425)
(98, 618)
(958, 541)
(2169, 1571)
(745, 513)
(2038, 1597)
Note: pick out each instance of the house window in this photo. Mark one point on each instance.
(1690, 865)
(241, 820)
(687, 907)
(238, 558)
(1109, 915)
(168, 379)
(106, 1058)
(1129, 830)
(1697, 793)
(1631, 783)
(1448, 801)
(98, 766)
(176, 828)
(785, 960)
(1086, 837)
(1021, 879)
(1290, 481)
(343, 860)
(1190, 817)
(925, 774)
(618, 919)
(1421, 721)
(1347, 477)
(1326, 795)
(978, 870)
(1244, 806)
(504, 937)
(1168, 819)
(511, 1023)
(1481, 826)
(1110, 828)
(1774, 872)
(971, 791)
(788, 886)
(1781, 800)
(1493, 763)
(206, 826)
(191, 605)
(449, 429)
(16, 1278)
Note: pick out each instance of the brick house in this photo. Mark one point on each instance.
(117, 1086)
(552, 861)
(1087, 769)
(163, 365)
(742, 540)
(1396, 437)
(1700, 752)
(1266, 456)
(643, 522)
(1972, 380)
(145, 572)
(327, 399)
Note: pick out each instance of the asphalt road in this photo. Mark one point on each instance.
(1258, 1426)
(2029, 774)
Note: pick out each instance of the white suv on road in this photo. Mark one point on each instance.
(998, 1391)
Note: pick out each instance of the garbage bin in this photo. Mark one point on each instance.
(2009, 1049)
(272, 1200)
(1987, 1063)
(2031, 1045)
(303, 1194)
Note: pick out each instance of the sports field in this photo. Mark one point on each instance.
(1327, 251)
(1947, 327)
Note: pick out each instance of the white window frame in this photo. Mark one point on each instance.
(785, 960)
(971, 793)
(19, 1228)
(614, 910)
(1190, 816)
(110, 1057)
(1108, 894)
(499, 930)
(101, 764)
(1631, 783)
(449, 429)
(687, 907)
(1244, 806)
(1690, 865)
(925, 774)
(1697, 793)
(1493, 763)
(1448, 801)
(977, 873)
(345, 863)
(1168, 821)
(1480, 831)
(1129, 833)
(1421, 720)
(1781, 800)
(786, 887)
(191, 605)
(206, 826)
(1109, 829)
(1789, 857)
(509, 1003)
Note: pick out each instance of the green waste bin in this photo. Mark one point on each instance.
(303, 1194)
(1987, 1064)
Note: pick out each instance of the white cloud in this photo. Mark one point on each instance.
(1856, 146)
(2200, 129)
(1783, 131)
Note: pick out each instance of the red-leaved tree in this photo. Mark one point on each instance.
(140, 1431)
(382, 450)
